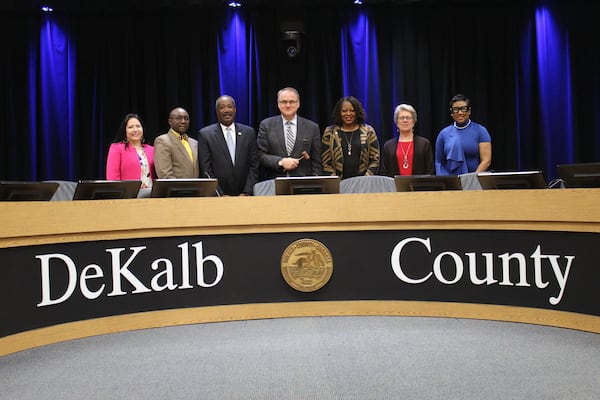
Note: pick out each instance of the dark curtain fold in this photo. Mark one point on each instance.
(531, 69)
(584, 57)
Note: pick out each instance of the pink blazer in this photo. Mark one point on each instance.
(123, 163)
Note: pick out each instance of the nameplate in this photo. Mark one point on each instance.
(51, 284)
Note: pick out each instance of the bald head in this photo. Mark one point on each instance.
(179, 120)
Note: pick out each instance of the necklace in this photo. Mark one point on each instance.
(405, 154)
(462, 127)
(349, 142)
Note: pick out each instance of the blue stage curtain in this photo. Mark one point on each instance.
(554, 80)
(55, 110)
(360, 64)
(234, 62)
(532, 71)
(545, 97)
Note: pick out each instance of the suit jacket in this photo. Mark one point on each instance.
(215, 161)
(123, 163)
(171, 159)
(271, 147)
(422, 157)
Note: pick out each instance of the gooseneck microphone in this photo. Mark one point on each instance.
(218, 188)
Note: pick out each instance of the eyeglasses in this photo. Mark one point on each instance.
(459, 109)
(181, 118)
(288, 101)
(405, 118)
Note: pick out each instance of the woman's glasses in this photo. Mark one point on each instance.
(456, 110)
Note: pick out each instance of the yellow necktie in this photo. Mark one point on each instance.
(187, 147)
(185, 143)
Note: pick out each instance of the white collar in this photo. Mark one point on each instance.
(224, 128)
(294, 120)
(464, 126)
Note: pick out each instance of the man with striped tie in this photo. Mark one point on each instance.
(289, 145)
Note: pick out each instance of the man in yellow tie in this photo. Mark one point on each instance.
(176, 154)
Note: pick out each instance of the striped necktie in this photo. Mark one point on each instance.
(289, 138)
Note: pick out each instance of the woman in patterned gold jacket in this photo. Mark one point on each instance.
(350, 146)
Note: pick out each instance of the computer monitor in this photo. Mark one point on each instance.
(27, 191)
(512, 180)
(100, 190)
(414, 183)
(307, 185)
(199, 187)
(582, 175)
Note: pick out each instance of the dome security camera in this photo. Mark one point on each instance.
(291, 51)
(291, 39)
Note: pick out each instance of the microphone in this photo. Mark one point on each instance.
(557, 183)
(210, 177)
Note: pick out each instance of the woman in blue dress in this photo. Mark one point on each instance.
(464, 146)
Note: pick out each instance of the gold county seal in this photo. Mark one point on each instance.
(306, 265)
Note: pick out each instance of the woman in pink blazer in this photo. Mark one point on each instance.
(129, 158)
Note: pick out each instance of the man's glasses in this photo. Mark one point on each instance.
(180, 118)
(288, 101)
(456, 110)
(405, 118)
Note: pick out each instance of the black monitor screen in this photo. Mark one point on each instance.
(104, 190)
(199, 187)
(27, 191)
(307, 185)
(583, 175)
(512, 180)
(414, 183)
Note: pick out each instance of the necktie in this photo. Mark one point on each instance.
(230, 143)
(184, 141)
(289, 138)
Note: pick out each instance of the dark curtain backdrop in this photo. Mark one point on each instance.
(531, 69)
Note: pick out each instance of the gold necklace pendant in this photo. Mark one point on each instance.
(349, 141)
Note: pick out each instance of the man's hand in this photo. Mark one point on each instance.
(289, 163)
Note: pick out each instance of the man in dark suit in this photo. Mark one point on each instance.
(227, 151)
(176, 154)
(283, 139)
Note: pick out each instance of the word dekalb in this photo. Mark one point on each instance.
(92, 275)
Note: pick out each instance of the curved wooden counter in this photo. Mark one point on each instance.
(29, 223)
(41, 223)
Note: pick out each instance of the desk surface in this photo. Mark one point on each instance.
(27, 223)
